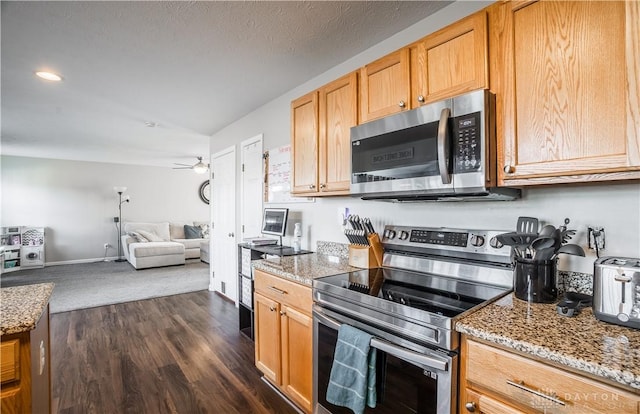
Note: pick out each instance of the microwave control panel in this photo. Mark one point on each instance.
(467, 141)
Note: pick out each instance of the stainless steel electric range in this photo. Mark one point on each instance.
(430, 278)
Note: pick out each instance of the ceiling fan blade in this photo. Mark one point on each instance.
(182, 168)
(183, 165)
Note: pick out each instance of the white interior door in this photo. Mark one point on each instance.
(224, 246)
(251, 185)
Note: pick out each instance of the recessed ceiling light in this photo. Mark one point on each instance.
(49, 76)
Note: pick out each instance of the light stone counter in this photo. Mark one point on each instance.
(582, 343)
(304, 268)
(22, 306)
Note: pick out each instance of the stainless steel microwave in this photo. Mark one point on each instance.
(441, 151)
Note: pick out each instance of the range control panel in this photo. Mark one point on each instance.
(470, 242)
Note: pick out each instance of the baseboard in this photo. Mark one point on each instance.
(77, 261)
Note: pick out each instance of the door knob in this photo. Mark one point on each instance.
(402, 104)
(509, 169)
(470, 406)
(421, 99)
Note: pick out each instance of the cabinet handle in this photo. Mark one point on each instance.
(402, 104)
(280, 291)
(523, 387)
(282, 313)
(271, 308)
(470, 406)
(421, 99)
(509, 169)
(312, 186)
(323, 186)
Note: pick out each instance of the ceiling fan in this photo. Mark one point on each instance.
(199, 167)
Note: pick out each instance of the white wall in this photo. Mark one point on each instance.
(616, 207)
(76, 203)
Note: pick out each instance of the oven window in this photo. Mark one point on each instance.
(401, 387)
(408, 153)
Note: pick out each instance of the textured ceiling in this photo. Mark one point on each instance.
(191, 67)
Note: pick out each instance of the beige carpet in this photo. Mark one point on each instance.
(87, 285)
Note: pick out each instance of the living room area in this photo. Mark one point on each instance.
(76, 204)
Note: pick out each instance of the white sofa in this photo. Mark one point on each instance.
(159, 244)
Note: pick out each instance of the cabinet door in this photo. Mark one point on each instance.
(338, 113)
(267, 319)
(384, 86)
(304, 140)
(297, 332)
(456, 59)
(570, 92)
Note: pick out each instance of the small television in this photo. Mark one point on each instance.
(274, 221)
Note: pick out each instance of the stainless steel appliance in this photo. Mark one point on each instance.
(430, 278)
(616, 290)
(445, 150)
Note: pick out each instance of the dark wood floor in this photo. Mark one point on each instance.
(177, 354)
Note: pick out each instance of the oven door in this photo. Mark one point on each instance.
(404, 153)
(407, 381)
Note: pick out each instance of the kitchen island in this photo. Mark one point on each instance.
(24, 346)
(538, 352)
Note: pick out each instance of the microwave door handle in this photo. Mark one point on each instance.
(444, 145)
(407, 355)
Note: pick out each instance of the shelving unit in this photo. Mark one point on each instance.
(247, 253)
(21, 247)
(11, 245)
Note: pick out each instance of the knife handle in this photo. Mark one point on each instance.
(376, 246)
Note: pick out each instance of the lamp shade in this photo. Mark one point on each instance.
(119, 189)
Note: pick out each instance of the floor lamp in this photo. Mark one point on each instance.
(121, 200)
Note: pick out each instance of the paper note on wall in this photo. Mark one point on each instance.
(278, 181)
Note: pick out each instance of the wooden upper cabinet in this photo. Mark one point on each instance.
(304, 141)
(569, 82)
(384, 86)
(338, 113)
(451, 61)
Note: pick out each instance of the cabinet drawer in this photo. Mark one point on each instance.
(540, 387)
(284, 291)
(10, 361)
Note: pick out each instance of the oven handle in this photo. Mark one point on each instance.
(444, 145)
(409, 356)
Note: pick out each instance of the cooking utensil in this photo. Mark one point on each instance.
(567, 235)
(546, 253)
(541, 243)
(573, 249)
(517, 240)
(527, 225)
(547, 230)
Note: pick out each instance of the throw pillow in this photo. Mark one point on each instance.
(192, 232)
(137, 237)
(204, 229)
(152, 237)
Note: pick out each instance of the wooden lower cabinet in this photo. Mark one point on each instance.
(283, 336)
(495, 381)
(24, 370)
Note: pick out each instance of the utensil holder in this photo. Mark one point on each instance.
(535, 281)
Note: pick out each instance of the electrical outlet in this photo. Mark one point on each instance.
(595, 238)
(116, 219)
(107, 245)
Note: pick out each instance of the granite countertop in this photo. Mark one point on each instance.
(22, 306)
(304, 268)
(582, 343)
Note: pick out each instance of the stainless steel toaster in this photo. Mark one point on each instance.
(616, 290)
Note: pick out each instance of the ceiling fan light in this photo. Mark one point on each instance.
(200, 168)
(49, 76)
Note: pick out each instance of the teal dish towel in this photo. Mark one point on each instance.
(352, 382)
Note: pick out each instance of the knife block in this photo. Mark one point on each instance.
(362, 256)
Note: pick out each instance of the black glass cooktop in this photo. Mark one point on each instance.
(437, 294)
